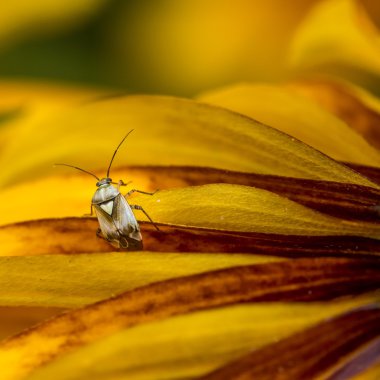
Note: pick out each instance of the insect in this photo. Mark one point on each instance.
(117, 222)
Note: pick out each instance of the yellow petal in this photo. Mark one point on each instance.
(337, 32)
(222, 207)
(33, 96)
(187, 345)
(168, 131)
(70, 281)
(77, 235)
(291, 113)
(242, 208)
(356, 106)
(15, 319)
(28, 103)
(335, 348)
(281, 281)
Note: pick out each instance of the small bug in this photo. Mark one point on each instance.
(117, 222)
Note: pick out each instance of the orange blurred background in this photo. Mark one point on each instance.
(162, 46)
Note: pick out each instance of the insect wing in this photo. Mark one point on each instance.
(106, 224)
(119, 226)
(124, 218)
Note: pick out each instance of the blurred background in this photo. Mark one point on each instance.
(145, 46)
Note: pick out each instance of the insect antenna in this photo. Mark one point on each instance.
(114, 153)
(82, 170)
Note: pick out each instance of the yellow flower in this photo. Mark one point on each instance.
(238, 188)
(266, 264)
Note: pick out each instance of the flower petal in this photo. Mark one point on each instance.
(77, 235)
(27, 103)
(284, 281)
(241, 208)
(356, 106)
(168, 131)
(71, 281)
(300, 356)
(15, 319)
(337, 34)
(72, 195)
(334, 198)
(191, 345)
(221, 207)
(284, 109)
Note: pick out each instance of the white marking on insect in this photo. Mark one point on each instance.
(107, 207)
(117, 222)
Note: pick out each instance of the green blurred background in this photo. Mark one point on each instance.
(163, 46)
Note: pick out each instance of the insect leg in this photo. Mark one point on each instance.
(91, 212)
(99, 234)
(139, 191)
(136, 207)
(121, 183)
